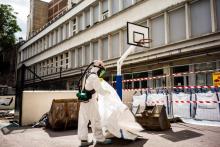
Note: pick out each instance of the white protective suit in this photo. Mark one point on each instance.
(89, 111)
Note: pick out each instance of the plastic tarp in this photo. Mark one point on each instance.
(139, 103)
(181, 109)
(157, 99)
(115, 116)
(207, 111)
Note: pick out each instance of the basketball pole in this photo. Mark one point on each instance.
(119, 65)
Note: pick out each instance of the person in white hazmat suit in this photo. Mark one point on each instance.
(89, 109)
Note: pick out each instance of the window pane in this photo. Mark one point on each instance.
(201, 17)
(115, 6)
(61, 33)
(178, 81)
(105, 48)
(104, 5)
(127, 3)
(95, 50)
(127, 85)
(218, 13)
(115, 45)
(80, 57)
(72, 58)
(158, 32)
(177, 25)
(180, 69)
(205, 66)
(96, 14)
(158, 82)
(87, 54)
(67, 30)
(80, 22)
(87, 19)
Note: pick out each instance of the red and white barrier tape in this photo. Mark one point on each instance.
(138, 89)
(181, 102)
(191, 87)
(178, 87)
(163, 76)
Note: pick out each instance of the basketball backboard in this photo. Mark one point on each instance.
(138, 35)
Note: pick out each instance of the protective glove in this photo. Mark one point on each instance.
(101, 79)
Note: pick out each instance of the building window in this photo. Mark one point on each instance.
(66, 60)
(115, 6)
(57, 36)
(158, 31)
(61, 33)
(200, 17)
(127, 3)
(74, 26)
(127, 85)
(95, 50)
(80, 23)
(67, 30)
(140, 84)
(218, 14)
(79, 57)
(51, 39)
(87, 19)
(95, 14)
(104, 9)
(105, 48)
(51, 65)
(47, 67)
(46, 42)
(177, 25)
(204, 78)
(56, 64)
(115, 45)
(87, 54)
(182, 80)
(73, 58)
(158, 82)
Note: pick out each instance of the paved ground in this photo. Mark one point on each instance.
(181, 135)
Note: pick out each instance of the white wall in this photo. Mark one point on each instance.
(36, 103)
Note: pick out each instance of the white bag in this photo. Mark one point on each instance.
(115, 116)
(139, 102)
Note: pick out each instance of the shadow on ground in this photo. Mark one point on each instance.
(13, 129)
(176, 136)
(52, 133)
(128, 143)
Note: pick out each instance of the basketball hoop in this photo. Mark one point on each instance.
(138, 35)
(142, 42)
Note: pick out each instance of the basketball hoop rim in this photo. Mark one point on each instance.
(143, 41)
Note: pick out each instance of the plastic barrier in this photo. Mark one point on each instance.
(157, 99)
(139, 103)
(181, 109)
(206, 110)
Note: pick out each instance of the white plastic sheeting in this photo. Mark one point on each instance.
(139, 103)
(157, 99)
(181, 109)
(116, 117)
(207, 111)
(201, 122)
